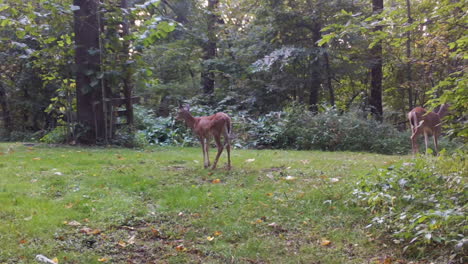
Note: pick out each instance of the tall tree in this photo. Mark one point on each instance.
(5, 111)
(90, 111)
(209, 49)
(375, 99)
(409, 78)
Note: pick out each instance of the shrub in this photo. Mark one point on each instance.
(422, 205)
(56, 136)
(331, 130)
(127, 137)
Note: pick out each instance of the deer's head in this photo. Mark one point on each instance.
(443, 110)
(183, 113)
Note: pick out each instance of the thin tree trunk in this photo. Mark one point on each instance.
(5, 111)
(375, 99)
(127, 71)
(315, 79)
(408, 55)
(209, 49)
(331, 92)
(87, 58)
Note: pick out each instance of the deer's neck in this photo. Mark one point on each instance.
(190, 121)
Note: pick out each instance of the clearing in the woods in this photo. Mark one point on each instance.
(158, 205)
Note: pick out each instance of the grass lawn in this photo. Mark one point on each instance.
(97, 205)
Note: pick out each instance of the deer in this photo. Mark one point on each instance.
(427, 123)
(205, 127)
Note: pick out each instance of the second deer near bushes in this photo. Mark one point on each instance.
(205, 127)
(427, 123)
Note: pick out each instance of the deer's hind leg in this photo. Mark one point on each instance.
(220, 150)
(227, 144)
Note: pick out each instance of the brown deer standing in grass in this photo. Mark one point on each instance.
(427, 123)
(216, 125)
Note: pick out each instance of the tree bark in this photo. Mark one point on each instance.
(331, 92)
(127, 71)
(315, 79)
(90, 112)
(5, 111)
(209, 49)
(375, 100)
(408, 56)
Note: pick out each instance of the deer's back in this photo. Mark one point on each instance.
(427, 121)
(213, 124)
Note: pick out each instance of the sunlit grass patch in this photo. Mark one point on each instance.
(160, 205)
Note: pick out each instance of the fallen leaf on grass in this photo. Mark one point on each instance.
(209, 238)
(122, 244)
(181, 248)
(217, 233)
(269, 194)
(103, 259)
(69, 205)
(36, 159)
(72, 223)
(155, 232)
(90, 231)
(305, 162)
(131, 240)
(23, 241)
(325, 242)
(216, 181)
(290, 178)
(55, 260)
(249, 160)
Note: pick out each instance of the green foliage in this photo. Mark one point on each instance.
(330, 130)
(130, 138)
(295, 127)
(57, 135)
(422, 205)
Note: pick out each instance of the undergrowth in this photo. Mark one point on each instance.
(422, 205)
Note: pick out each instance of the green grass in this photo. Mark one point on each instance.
(161, 206)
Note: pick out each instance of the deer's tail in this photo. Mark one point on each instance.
(228, 126)
(413, 118)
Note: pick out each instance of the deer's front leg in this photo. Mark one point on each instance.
(207, 147)
(202, 142)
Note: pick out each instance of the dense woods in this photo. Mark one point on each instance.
(334, 75)
(81, 65)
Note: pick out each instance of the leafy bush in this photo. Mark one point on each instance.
(127, 137)
(331, 130)
(56, 136)
(161, 130)
(295, 127)
(422, 205)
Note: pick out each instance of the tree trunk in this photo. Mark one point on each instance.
(331, 92)
(127, 70)
(315, 79)
(90, 112)
(408, 55)
(5, 111)
(209, 49)
(375, 99)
